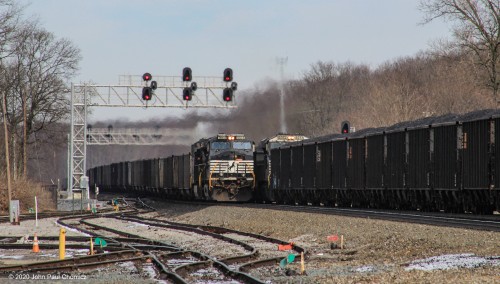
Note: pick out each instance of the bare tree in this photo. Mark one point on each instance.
(329, 93)
(40, 68)
(9, 19)
(35, 69)
(476, 29)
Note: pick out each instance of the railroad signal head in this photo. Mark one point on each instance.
(187, 94)
(187, 74)
(228, 75)
(345, 127)
(194, 86)
(146, 77)
(234, 86)
(227, 95)
(147, 93)
(154, 85)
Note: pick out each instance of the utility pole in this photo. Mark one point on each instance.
(6, 133)
(281, 62)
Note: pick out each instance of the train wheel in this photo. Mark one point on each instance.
(270, 196)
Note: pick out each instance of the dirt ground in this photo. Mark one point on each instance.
(376, 251)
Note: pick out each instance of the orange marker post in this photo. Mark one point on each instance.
(285, 247)
(36, 248)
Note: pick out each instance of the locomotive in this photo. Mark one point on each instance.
(446, 163)
(223, 168)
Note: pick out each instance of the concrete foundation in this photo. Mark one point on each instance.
(77, 203)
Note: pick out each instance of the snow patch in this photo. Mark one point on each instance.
(72, 230)
(452, 261)
(365, 269)
(11, 256)
(135, 224)
(128, 265)
(149, 270)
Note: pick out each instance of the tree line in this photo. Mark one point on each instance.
(455, 76)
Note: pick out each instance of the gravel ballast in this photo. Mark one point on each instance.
(375, 251)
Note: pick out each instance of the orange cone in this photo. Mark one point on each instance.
(35, 244)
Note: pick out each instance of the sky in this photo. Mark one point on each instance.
(130, 37)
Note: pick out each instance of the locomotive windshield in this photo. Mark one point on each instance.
(226, 145)
(221, 145)
(242, 145)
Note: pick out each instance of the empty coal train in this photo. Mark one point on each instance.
(437, 163)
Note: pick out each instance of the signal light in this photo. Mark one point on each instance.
(187, 94)
(345, 127)
(194, 86)
(187, 74)
(234, 86)
(154, 85)
(146, 77)
(228, 75)
(227, 95)
(147, 93)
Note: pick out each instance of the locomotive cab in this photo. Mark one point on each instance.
(224, 168)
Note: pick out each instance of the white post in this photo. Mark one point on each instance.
(36, 213)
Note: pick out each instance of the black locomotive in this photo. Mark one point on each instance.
(436, 163)
(223, 168)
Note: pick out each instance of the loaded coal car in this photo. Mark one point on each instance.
(435, 163)
(302, 172)
(223, 168)
(262, 159)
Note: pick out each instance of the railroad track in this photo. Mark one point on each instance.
(172, 262)
(466, 221)
(476, 222)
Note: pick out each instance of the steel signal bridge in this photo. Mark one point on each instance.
(128, 93)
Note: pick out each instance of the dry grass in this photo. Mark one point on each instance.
(25, 191)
